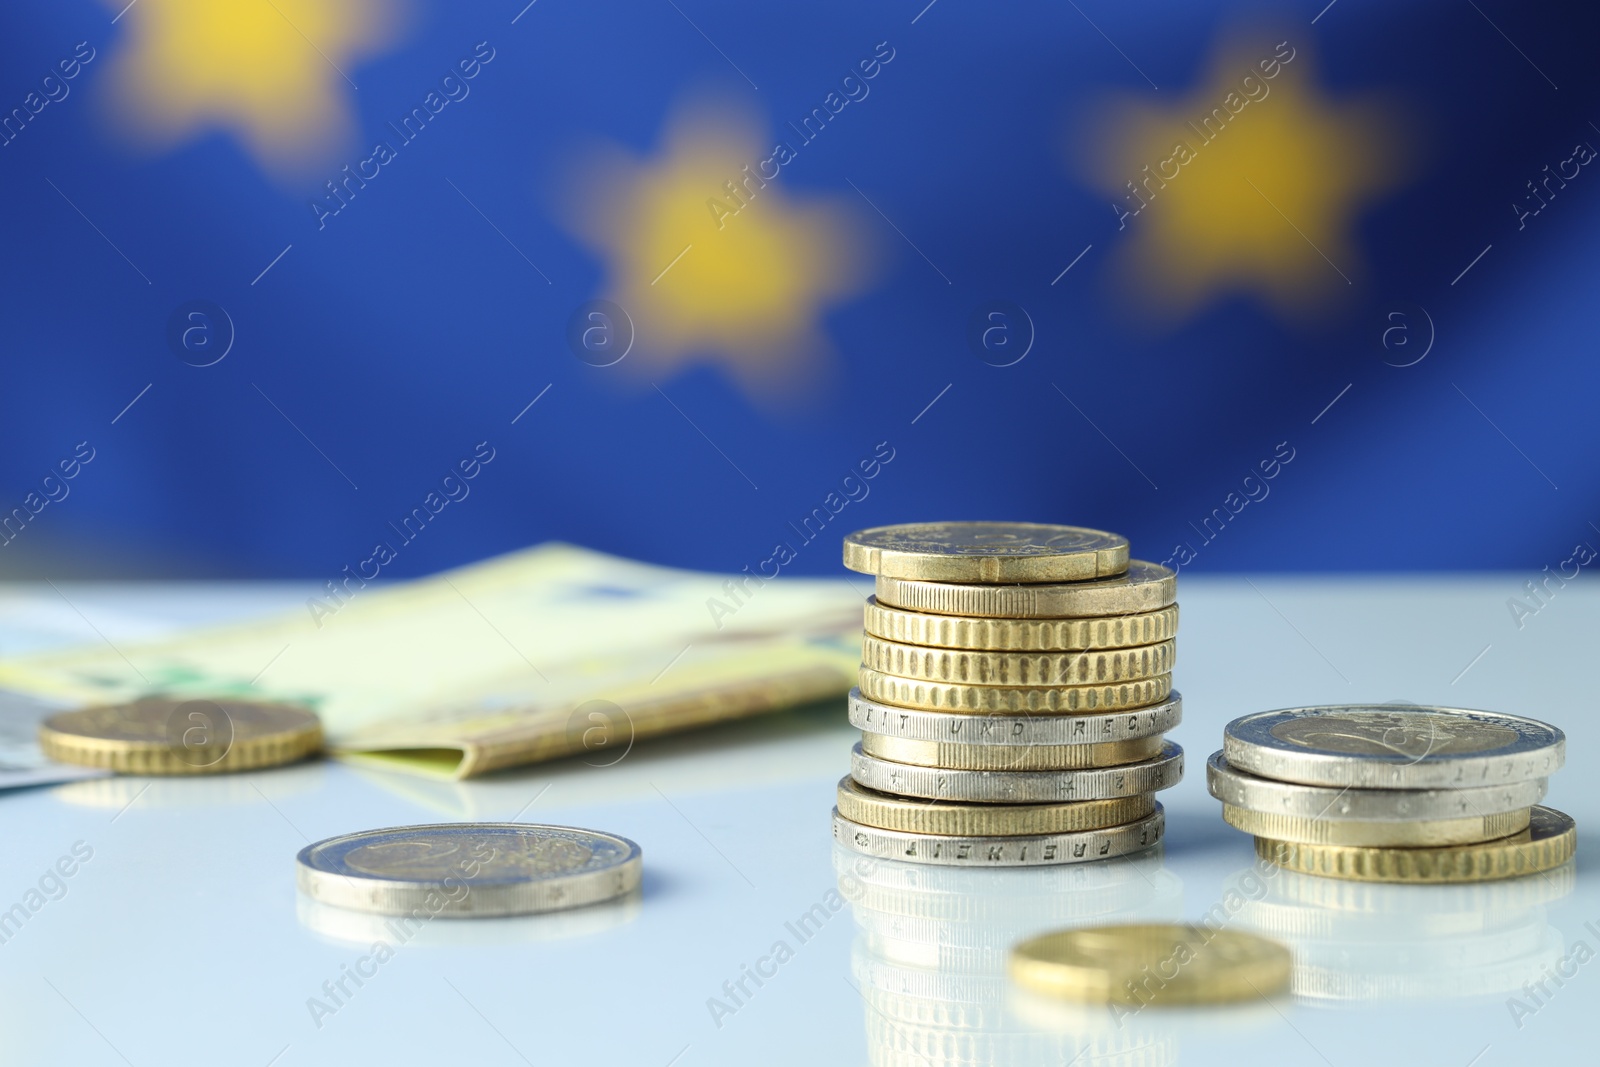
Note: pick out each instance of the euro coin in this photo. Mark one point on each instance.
(1290, 799)
(177, 735)
(1023, 850)
(1018, 787)
(1019, 635)
(986, 552)
(951, 696)
(1094, 667)
(1145, 587)
(1155, 964)
(1393, 746)
(1421, 833)
(468, 870)
(888, 812)
(1010, 757)
(1017, 730)
(1549, 841)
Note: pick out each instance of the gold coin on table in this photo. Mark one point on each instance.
(887, 811)
(1011, 757)
(1097, 667)
(1155, 964)
(1145, 587)
(1020, 635)
(178, 735)
(987, 552)
(1420, 833)
(946, 696)
(1550, 840)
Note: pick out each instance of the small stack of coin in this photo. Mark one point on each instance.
(1015, 690)
(1394, 792)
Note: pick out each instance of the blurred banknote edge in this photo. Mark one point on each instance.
(547, 652)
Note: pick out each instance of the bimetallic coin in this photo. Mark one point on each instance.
(1025, 850)
(888, 812)
(1020, 635)
(1043, 699)
(182, 735)
(1097, 667)
(995, 728)
(1549, 841)
(1145, 587)
(986, 552)
(1421, 833)
(1152, 965)
(1018, 787)
(1393, 746)
(1010, 757)
(1233, 786)
(467, 870)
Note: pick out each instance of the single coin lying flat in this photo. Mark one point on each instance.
(182, 735)
(469, 870)
(1145, 587)
(1156, 964)
(986, 552)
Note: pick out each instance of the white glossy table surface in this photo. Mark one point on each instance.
(182, 939)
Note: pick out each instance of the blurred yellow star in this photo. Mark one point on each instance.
(713, 261)
(272, 72)
(1252, 183)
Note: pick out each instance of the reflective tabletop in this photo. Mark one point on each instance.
(155, 921)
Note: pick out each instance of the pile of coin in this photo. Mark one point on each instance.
(1015, 690)
(1395, 792)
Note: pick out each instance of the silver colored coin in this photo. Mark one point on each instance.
(1020, 730)
(1018, 787)
(1145, 587)
(1393, 746)
(468, 870)
(1233, 786)
(1026, 850)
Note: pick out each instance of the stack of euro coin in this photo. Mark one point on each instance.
(1395, 792)
(1014, 696)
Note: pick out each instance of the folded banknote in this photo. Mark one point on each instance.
(547, 652)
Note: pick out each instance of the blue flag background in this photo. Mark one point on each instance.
(1262, 287)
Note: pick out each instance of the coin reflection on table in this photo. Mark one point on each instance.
(1357, 942)
(362, 928)
(932, 944)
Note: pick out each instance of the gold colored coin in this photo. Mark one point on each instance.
(946, 696)
(1020, 635)
(1151, 965)
(1146, 587)
(987, 552)
(887, 811)
(1098, 667)
(1420, 833)
(1549, 841)
(1010, 757)
(170, 735)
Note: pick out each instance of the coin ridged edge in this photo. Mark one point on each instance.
(971, 667)
(979, 634)
(947, 696)
(1065, 600)
(1106, 560)
(1451, 863)
(162, 758)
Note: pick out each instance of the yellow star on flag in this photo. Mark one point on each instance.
(712, 259)
(1251, 183)
(274, 73)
